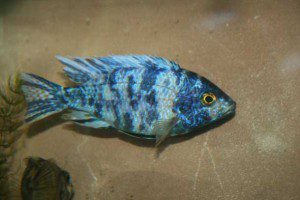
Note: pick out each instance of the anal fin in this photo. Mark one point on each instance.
(85, 119)
(77, 115)
(93, 123)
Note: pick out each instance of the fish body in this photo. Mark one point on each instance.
(144, 96)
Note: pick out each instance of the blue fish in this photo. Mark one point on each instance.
(140, 95)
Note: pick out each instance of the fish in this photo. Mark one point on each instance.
(43, 179)
(140, 95)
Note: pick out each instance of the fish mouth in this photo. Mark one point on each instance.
(231, 109)
(227, 115)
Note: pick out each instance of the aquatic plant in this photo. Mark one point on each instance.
(42, 179)
(12, 107)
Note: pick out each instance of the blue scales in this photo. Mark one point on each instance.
(144, 96)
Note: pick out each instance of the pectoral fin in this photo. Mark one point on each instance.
(162, 129)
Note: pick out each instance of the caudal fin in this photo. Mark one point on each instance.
(43, 97)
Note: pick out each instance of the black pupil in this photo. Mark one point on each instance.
(209, 99)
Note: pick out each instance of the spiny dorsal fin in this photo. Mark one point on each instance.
(82, 70)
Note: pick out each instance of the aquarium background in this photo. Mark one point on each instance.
(251, 49)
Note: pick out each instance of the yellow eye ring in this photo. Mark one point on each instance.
(208, 99)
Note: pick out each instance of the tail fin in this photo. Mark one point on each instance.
(42, 96)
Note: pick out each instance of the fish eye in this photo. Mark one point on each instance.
(208, 99)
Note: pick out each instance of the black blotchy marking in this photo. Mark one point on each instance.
(129, 87)
(115, 90)
(127, 122)
(149, 64)
(138, 96)
(98, 106)
(134, 104)
(132, 101)
(91, 101)
(116, 113)
(150, 75)
(112, 76)
(81, 95)
(148, 81)
(112, 81)
(151, 115)
(133, 97)
(150, 98)
(142, 126)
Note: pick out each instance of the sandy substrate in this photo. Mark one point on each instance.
(250, 49)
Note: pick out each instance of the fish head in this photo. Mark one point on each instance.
(202, 103)
(214, 104)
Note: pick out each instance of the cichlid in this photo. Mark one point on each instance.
(144, 96)
(43, 179)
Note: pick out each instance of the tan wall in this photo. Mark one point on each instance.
(251, 49)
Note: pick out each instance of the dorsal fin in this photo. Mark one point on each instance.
(139, 61)
(81, 70)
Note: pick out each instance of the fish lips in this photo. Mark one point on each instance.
(227, 115)
(231, 110)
